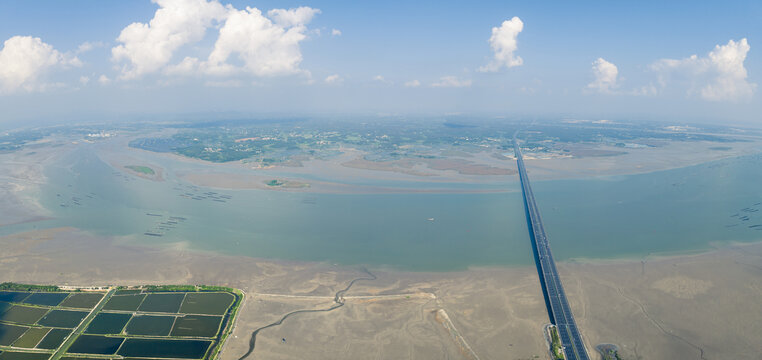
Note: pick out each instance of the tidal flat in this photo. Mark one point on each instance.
(622, 240)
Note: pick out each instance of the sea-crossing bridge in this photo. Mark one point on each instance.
(555, 298)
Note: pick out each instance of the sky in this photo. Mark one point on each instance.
(677, 61)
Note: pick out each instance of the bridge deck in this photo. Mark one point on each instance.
(555, 298)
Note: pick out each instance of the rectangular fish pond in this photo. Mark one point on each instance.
(142, 322)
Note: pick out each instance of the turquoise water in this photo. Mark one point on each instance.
(388, 229)
(677, 210)
(669, 211)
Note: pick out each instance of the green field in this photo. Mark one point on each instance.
(141, 169)
(136, 323)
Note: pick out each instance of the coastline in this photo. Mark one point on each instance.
(494, 308)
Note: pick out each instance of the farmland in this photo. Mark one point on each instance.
(178, 322)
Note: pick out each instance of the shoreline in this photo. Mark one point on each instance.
(497, 310)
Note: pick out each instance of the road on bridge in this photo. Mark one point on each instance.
(555, 298)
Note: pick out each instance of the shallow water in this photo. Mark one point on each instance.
(668, 211)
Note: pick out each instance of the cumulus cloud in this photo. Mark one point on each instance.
(335, 32)
(264, 46)
(293, 17)
(381, 79)
(331, 79)
(720, 76)
(84, 80)
(87, 46)
(451, 81)
(606, 75)
(146, 48)
(503, 44)
(413, 83)
(104, 80)
(24, 59)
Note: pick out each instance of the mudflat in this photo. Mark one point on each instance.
(671, 307)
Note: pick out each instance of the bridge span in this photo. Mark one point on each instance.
(555, 298)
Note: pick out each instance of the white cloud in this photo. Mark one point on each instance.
(503, 44)
(224, 84)
(331, 79)
(148, 47)
(84, 80)
(104, 80)
(23, 59)
(381, 79)
(292, 17)
(87, 46)
(606, 75)
(264, 47)
(335, 32)
(720, 76)
(413, 83)
(451, 81)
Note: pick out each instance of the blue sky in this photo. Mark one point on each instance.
(602, 59)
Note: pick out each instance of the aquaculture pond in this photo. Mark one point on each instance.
(151, 322)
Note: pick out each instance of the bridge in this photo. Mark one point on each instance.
(555, 298)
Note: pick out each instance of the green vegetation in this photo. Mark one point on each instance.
(608, 351)
(555, 345)
(215, 288)
(275, 183)
(141, 169)
(28, 287)
(275, 142)
(169, 288)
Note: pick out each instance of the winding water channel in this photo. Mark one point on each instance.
(338, 300)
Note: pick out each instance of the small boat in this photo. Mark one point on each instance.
(430, 219)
